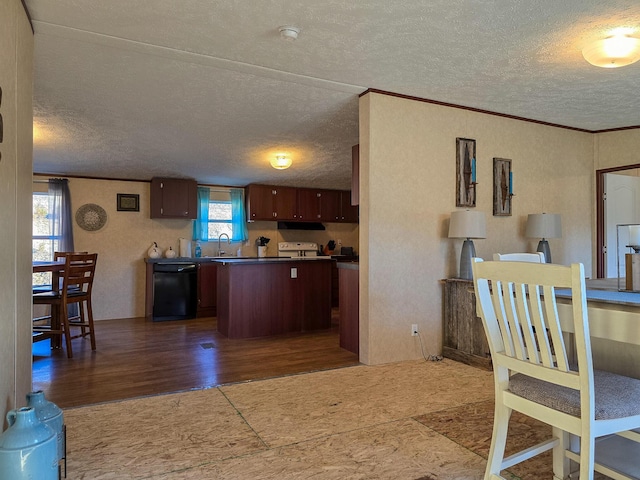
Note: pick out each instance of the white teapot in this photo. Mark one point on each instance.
(154, 251)
(170, 253)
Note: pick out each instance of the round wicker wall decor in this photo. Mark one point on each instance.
(91, 217)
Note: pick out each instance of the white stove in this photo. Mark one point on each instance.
(297, 249)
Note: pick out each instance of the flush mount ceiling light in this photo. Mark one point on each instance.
(289, 33)
(280, 162)
(612, 52)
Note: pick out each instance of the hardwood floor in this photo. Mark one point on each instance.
(138, 357)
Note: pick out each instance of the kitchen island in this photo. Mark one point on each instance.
(259, 297)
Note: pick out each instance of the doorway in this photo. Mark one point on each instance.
(618, 191)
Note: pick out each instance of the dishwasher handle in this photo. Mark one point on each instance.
(175, 267)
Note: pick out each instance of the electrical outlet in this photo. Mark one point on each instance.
(294, 273)
(414, 329)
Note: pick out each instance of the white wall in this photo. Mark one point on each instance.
(407, 182)
(16, 60)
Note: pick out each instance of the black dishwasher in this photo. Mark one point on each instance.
(175, 295)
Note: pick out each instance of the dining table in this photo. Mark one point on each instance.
(614, 331)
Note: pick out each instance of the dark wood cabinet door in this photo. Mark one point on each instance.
(330, 205)
(284, 203)
(308, 205)
(348, 213)
(173, 198)
(207, 290)
(260, 200)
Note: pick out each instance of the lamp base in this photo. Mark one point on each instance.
(543, 247)
(468, 252)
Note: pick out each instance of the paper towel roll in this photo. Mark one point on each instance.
(185, 247)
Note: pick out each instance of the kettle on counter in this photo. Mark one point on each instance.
(154, 251)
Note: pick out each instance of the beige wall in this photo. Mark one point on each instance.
(16, 60)
(407, 182)
(123, 242)
(615, 149)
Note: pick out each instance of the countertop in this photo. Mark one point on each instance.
(232, 260)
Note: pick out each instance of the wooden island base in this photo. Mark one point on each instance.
(258, 298)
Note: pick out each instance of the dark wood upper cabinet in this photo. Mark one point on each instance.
(330, 206)
(285, 199)
(349, 212)
(267, 202)
(318, 205)
(174, 198)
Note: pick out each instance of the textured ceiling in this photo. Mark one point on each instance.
(208, 89)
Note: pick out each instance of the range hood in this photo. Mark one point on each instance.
(300, 226)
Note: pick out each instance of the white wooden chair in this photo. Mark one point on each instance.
(586, 403)
(537, 257)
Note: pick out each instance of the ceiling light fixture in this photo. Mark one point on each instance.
(289, 33)
(280, 162)
(612, 52)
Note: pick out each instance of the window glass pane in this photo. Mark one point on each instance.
(43, 245)
(219, 219)
(41, 219)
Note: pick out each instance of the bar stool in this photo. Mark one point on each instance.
(76, 286)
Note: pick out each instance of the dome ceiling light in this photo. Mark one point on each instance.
(280, 162)
(612, 52)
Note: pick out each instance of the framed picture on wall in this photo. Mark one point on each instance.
(128, 202)
(502, 187)
(465, 172)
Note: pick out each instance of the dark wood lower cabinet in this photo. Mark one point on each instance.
(349, 306)
(464, 338)
(262, 299)
(207, 289)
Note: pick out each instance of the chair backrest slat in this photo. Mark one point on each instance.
(555, 329)
(528, 330)
(499, 311)
(539, 324)
(515, 329)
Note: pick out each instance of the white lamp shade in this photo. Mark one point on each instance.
(612, 52)
(544, 225)
(467, 224)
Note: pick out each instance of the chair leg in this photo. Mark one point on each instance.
(64, 318)
(498, 441)
(92, 332)
(587, 456)
(82, 318)
(561, 463)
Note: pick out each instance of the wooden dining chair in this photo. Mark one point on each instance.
(76, 287)
(518, 308)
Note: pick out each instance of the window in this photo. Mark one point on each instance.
(219, 212)
(44, 243)
(220, 219)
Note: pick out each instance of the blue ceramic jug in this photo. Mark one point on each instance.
(50, 414)
(28, 448)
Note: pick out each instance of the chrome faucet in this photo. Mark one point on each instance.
(220, 251)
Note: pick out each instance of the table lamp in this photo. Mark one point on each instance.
(467, 224)
(544, 225)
